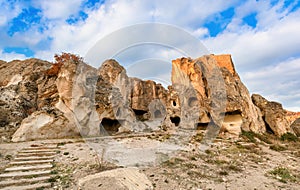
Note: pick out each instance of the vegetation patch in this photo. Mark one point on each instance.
(249, 135)
(282, 174)
(277, 147)
(289, 137)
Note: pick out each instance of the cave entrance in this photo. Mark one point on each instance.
(174, 103)
(232, 121)
(175, 120)
(268, 128)
(202, 126)
(110, 126)
(140, 114)
(193, 101)
(157, 114)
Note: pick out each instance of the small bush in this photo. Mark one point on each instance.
(59, 62)
(8, 157)
(277, 147)
(249, 135)
(289, 137)
(235, 168)
(223, 172)
(282, 174)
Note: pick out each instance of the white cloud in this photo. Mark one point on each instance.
(11, 56)
(8, 11)
(262, 55)
(252, 49)
(200, 32)
(117, 14)
(57, 9)
(277, 82)
(258, 52)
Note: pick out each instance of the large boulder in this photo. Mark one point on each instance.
(19, 92)
(50, 94)
(218, 93)
(296, 127)
(120, 178)
(273, 114)
(44, 125)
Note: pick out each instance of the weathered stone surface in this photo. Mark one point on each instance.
(296, 127)
(43, 125)
(19, 81)
(121, 178)
(32, 90)
(211, 76)
(292, 116)
(112, 98)
(75, 84)
(273, 114)
(128, 104)
(205, 92)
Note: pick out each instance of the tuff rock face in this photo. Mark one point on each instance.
(219, 92)
(41, 100)
(24, 90)
(273, 114)
(296, 127)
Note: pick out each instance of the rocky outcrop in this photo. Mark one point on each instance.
(296, 127)
(44, 100)
(292, 116)
(19, 88)
(44, 125)
(27, 91)
(120, 178)
(219, 93)
(273, 114)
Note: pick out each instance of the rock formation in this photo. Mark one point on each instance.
(44, 100)
(292, 116)
(219, 90)
(296, 127)
(273, 114)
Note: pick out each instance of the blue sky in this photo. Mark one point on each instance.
(262, 36)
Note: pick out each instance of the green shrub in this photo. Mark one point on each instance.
(289, 137)
(282, 174)
(249, 135)
(277, 147)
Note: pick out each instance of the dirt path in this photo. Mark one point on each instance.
(167, 162)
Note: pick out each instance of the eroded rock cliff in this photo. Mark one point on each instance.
(273, 114)
(43, 100)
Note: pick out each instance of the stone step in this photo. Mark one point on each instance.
(31, 162)
(36, 154)
(39, 151)
(21, 168)
(24, 181)
(19, 174)
(34, 158)
(40, 147)
(28, 187)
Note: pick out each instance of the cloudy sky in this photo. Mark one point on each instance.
(262, 36)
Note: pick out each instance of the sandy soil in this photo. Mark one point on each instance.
(176, 162)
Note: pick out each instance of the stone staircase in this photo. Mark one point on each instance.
(30, 169)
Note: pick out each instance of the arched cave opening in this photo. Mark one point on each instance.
(175, 120)
(140, 114)
(268, 128)
(158, 114)
(193, 101)
(202, 126)
(174, 103)
(111, 126)
(236, 112)
(118, 113)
